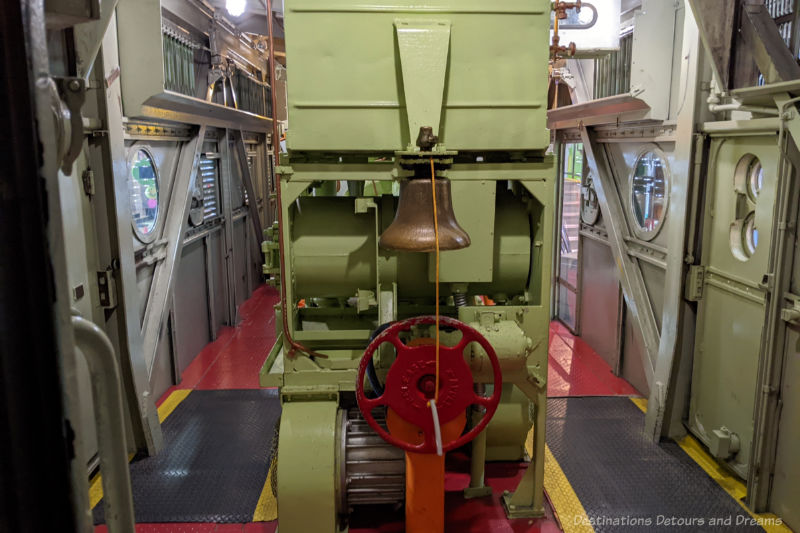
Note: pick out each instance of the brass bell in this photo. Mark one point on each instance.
(412, 229)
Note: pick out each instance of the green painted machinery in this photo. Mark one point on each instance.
(364, 78)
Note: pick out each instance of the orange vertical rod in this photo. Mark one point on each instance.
(424, 493)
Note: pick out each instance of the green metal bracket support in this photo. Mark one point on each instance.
(267, 378)
(424, 47)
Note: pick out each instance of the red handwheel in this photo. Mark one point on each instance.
(410, 384)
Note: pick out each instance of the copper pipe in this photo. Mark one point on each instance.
(294, 346)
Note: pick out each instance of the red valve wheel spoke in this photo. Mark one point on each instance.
(372, 403)
(411, 383)
(483, 401)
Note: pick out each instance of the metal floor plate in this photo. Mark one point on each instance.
(623, 479)
(214, 463)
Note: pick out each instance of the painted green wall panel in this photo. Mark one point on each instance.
(725, 368)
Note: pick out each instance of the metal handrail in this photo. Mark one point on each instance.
(111, 442)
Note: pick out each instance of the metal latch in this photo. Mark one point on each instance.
(106, 290)
(695, 279)
(791, 314)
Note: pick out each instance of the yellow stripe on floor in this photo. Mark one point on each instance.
(164, 410)
(172, 401)
(267, 506)
(641, 403)
(566, 505)
(729, 483)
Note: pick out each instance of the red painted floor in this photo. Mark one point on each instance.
(575, 369)
(233, 361)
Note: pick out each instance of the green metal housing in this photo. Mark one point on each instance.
(348, 92)
(364, 78)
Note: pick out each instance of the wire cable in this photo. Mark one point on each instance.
(436, 238)
(437, 430)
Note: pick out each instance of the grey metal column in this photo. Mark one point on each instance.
(247, 180)
(682, 174)
(630, 273)
(90, 38)
(114, 186)
(212, 304)
(226, 182)
(781, 258)
(177, 219)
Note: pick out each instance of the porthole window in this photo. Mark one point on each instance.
(750, 235)
(649, 189)
(755, 179)
(744, 237)
(749, 177)
(143, 192)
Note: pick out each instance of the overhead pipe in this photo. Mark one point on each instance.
(715, 105)
(293, 345)
(109, 416)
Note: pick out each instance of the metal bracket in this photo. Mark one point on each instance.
(106, 291)
(73, 93)
(695, 279)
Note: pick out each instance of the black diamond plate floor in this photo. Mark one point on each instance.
(214, 463)
(623, 479)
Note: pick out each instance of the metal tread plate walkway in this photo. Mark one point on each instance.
(215, 462)
(625, 481)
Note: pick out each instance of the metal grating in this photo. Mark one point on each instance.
(214, 463)
(179, 72)
(252, 95)
(209, 174)
(628, 483)
(612, 72)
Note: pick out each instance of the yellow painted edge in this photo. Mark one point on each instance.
(267, 506)
(172, 401)
(729, 483)
(641, 403)
(566, 505)
(96, 487)
(164, 410)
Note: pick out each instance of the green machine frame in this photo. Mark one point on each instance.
(365, 77)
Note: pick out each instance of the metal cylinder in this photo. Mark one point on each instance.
(371, 471)
(333, 248)
(335, 252)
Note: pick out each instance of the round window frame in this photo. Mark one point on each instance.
(134, 151)
(639, 231)
(749, 231)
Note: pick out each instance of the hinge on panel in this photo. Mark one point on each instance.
(695, 278)
(105, 289)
